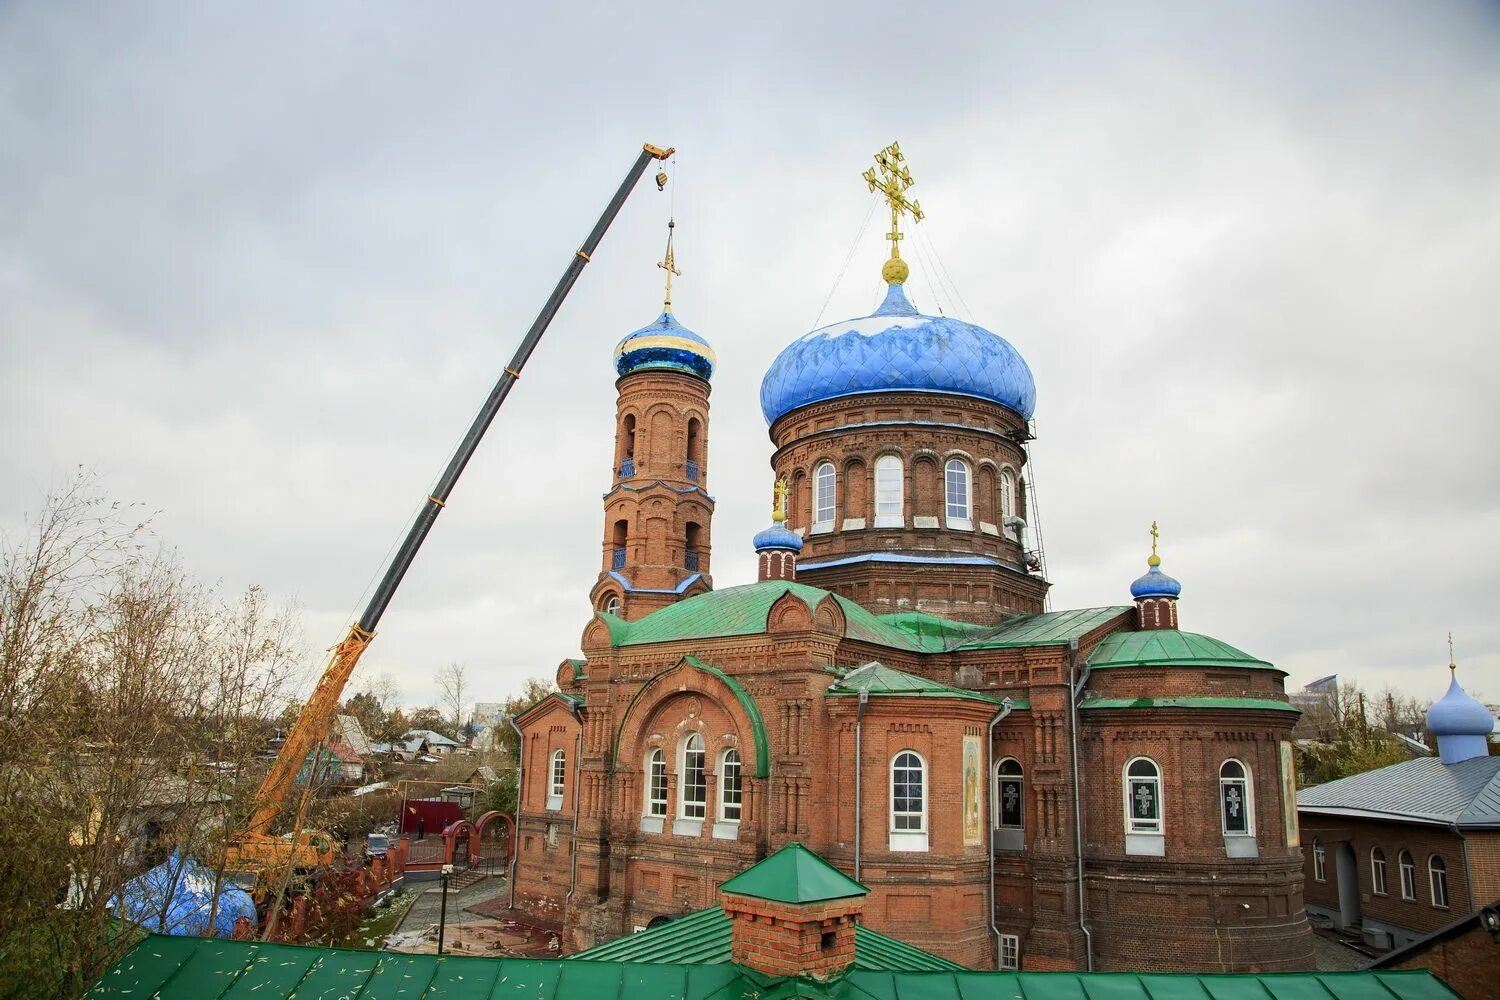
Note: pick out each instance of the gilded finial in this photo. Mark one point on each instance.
(1155, 559)
(778, 505)
(1452, 664)
(669, 264)
(892, 181)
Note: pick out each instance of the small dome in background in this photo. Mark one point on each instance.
(1458, 714)
(1155, 583)
(665, 345)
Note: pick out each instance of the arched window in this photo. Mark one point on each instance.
(730, 789)
(559, 780)
(890, 483)
(1408, 875)
(1320, 861)
(908, 802)
(1143, 796)
(1377, 871)
(1236, 809)
(692, 541)
(1437, 875)
(627, 445)
(1010, 795)
(694, 786)
(956, 489)
(1007, 495)
(656, 783)
(613, 604)
(824, 497)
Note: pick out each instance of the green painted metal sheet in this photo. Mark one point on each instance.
(1264, 704)
(1168, 648)
(1051, 629)
(794, 875)
(752, 710)
(1417, 985)
(878, 679)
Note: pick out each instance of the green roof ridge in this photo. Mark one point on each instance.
(794, 875)
(1051, 628)
(757, 723)
(879, 679)
(1170, 647)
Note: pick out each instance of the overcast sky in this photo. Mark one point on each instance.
(260, 263)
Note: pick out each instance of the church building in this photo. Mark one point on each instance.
(1017, 788)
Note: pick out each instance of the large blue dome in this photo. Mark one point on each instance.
(665, 344)
(1458, 714)
(897, 349)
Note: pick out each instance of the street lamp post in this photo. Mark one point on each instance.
(443, 910)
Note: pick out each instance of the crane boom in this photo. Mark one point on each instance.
(318, 713)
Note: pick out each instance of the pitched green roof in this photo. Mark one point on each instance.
(879, 679)
(744, 611)
(1266, 704)
(1169, 648)
(1055, 628)
(704, 937)
(794, 875)
(757, 724)
(190, 968)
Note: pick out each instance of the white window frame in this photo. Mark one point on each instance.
(1320, 861)
(1437, 881)
(1137, 825)
(964, 519)
(656, 780)
(731, 759)
(1020, 781)
(1406, 865)
(557, 780)
(691, 808)
(1377, 871)
(613, 605)
(825, 497)
(1247, 798)
(890, 493)
(904, 836)
(1010, 952)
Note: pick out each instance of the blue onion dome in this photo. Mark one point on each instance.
(1155, 583)
(897, 349)
(665, 345)
(1457, 714)
(777, 536)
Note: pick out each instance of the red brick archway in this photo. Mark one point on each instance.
(482, 824)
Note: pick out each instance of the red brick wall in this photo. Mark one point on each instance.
(1469, 964)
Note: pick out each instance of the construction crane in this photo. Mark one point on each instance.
(255, 848)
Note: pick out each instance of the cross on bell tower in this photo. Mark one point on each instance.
(892, 181)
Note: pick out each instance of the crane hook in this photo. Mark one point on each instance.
(661, 180)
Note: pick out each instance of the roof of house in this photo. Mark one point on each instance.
(416, 737)
(879, 679)
(703, 937)
(354, 734)
(1420, 790)
(216, 969)
(1169, 648)
(1468, 922)
(794, 875)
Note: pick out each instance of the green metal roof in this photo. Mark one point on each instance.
(744, 611)
(189, 968)
(580, 668)
(1267, 704)
(704, 937)
(794, 875)
(879, 679)
(757, 724)
(1052, 629)
(1169, 648)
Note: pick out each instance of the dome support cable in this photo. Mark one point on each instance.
(838, 279)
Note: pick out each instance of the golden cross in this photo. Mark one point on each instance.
(1154, 536)
(893, 180)
(670, 266)
(778, 506)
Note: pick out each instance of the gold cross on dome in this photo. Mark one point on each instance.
(778, 506)
(1155, 534)
(670, 266)
(892, 181)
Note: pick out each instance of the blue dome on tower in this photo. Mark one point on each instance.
(665, 345)
(1458, 714)
(897, 349)
(777, 536)
(1155, 583)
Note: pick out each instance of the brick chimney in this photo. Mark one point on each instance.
(793, 914)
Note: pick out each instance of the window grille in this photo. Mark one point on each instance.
(692, 471)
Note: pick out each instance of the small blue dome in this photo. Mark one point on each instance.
(777, 536)
(897, 349)
(1457, 714)
(665, 344)
(1155, 584)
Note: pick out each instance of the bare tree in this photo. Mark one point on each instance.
(453, 694)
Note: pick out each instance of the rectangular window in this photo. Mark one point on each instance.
(730, 791)
(1145, 805)
(889, 503)
(1320, 863)
(1439, 887)
(1408, 879)
(1010, 951)
(906, 794)
(957, 481)
(1234, 806)
(1010, 802)
(694, 785)
(657, 801)
(1377, 875)
(823, 496)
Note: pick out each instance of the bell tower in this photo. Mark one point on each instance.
(657, 513)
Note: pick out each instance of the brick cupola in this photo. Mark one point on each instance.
(657, 513)
(1155, 593)
(793, 914)
(776, 547)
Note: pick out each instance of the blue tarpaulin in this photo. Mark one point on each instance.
(177, 897)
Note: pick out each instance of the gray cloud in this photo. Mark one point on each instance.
(258, 266)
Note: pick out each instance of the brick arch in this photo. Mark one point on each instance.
(691, 675)
(788, 614)
(829, 617)
(926, 482)
(855, 501)
(596, 635)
